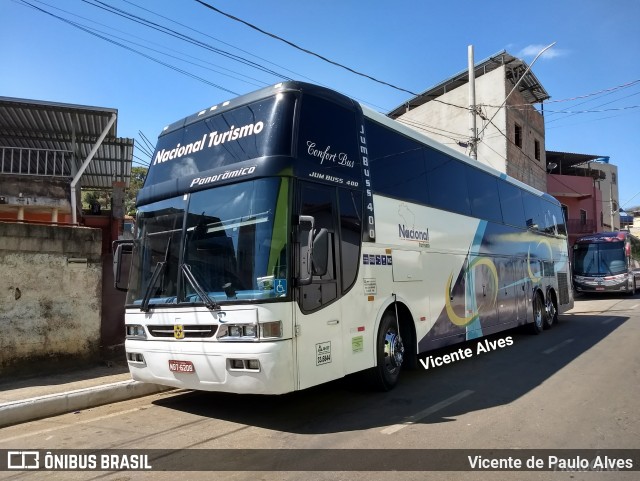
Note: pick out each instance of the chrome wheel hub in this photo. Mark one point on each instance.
(393, 350)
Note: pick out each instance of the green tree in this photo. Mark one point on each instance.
(138, 175)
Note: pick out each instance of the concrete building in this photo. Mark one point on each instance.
(634, 228)
(587, 187)
(57, 301)
(50, 150)
(511, 136)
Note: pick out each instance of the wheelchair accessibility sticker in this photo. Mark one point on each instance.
(280, 286)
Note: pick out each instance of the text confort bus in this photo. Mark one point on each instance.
(291, 236)
(606, 262)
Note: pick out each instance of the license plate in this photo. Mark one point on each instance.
(181, 366)
(599, 288)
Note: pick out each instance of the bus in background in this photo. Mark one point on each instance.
(606, 262)
(291, 236)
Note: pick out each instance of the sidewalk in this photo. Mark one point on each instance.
(39, 397)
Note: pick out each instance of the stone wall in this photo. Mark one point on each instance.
(50, 296)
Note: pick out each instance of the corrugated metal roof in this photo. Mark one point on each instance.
(529, 87)
(567, 162)
(39, 124)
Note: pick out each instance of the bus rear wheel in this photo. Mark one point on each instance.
(538, 315)
(389, 353)
(551, 312)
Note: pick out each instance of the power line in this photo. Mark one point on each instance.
(216, 39)
(321, 57)
(141, 161)
(91, 32)
(578, 97)
(146, 140)
(601, 105)
(244, 51)
(181, 54)
(431, 129)
(291, 44)
(168, 31)
(595, 111)
(516, 85)
(144, 148)
(533, 161)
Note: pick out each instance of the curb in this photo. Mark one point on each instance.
(16, 412)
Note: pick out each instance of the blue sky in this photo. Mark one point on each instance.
(413, 44)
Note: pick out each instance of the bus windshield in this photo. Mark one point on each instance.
(232, 240)
(599, 259)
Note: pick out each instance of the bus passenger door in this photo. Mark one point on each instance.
(318, 317)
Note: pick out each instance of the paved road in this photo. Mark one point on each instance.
(574, 386)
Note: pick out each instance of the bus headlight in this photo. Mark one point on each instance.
(237, 332)
(135, 331)
(270, 330)
(249, 332)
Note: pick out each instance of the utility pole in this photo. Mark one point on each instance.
(612, 203)
(473, 140)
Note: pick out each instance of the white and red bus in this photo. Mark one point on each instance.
(606, 262)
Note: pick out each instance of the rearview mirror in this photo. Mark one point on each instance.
(306, 225)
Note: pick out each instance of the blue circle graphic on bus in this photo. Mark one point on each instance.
(280, 286)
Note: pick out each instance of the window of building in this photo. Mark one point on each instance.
(536, 147)
(583, 217)
(613, 178)
(518, 136)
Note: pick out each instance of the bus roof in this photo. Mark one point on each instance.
(368, 112)
(618, 236)
(409, 132)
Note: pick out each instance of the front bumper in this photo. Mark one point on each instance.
(213, 370)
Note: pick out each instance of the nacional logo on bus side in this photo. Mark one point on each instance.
(416, 235)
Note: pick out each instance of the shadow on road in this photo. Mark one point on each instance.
(496, 378)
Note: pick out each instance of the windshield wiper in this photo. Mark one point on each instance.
(208, 302)
(144, 307)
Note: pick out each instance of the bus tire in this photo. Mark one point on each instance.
(550, 311)
(538, 315)
(389, 354)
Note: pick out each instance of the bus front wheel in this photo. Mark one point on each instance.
(389, 353)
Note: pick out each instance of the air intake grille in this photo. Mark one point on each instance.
(190, 331)
(563, 287)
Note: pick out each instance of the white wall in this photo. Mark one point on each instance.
(441, 122)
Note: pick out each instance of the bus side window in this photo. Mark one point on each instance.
(350, 236)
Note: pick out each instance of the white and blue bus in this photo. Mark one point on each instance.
(291, 236)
